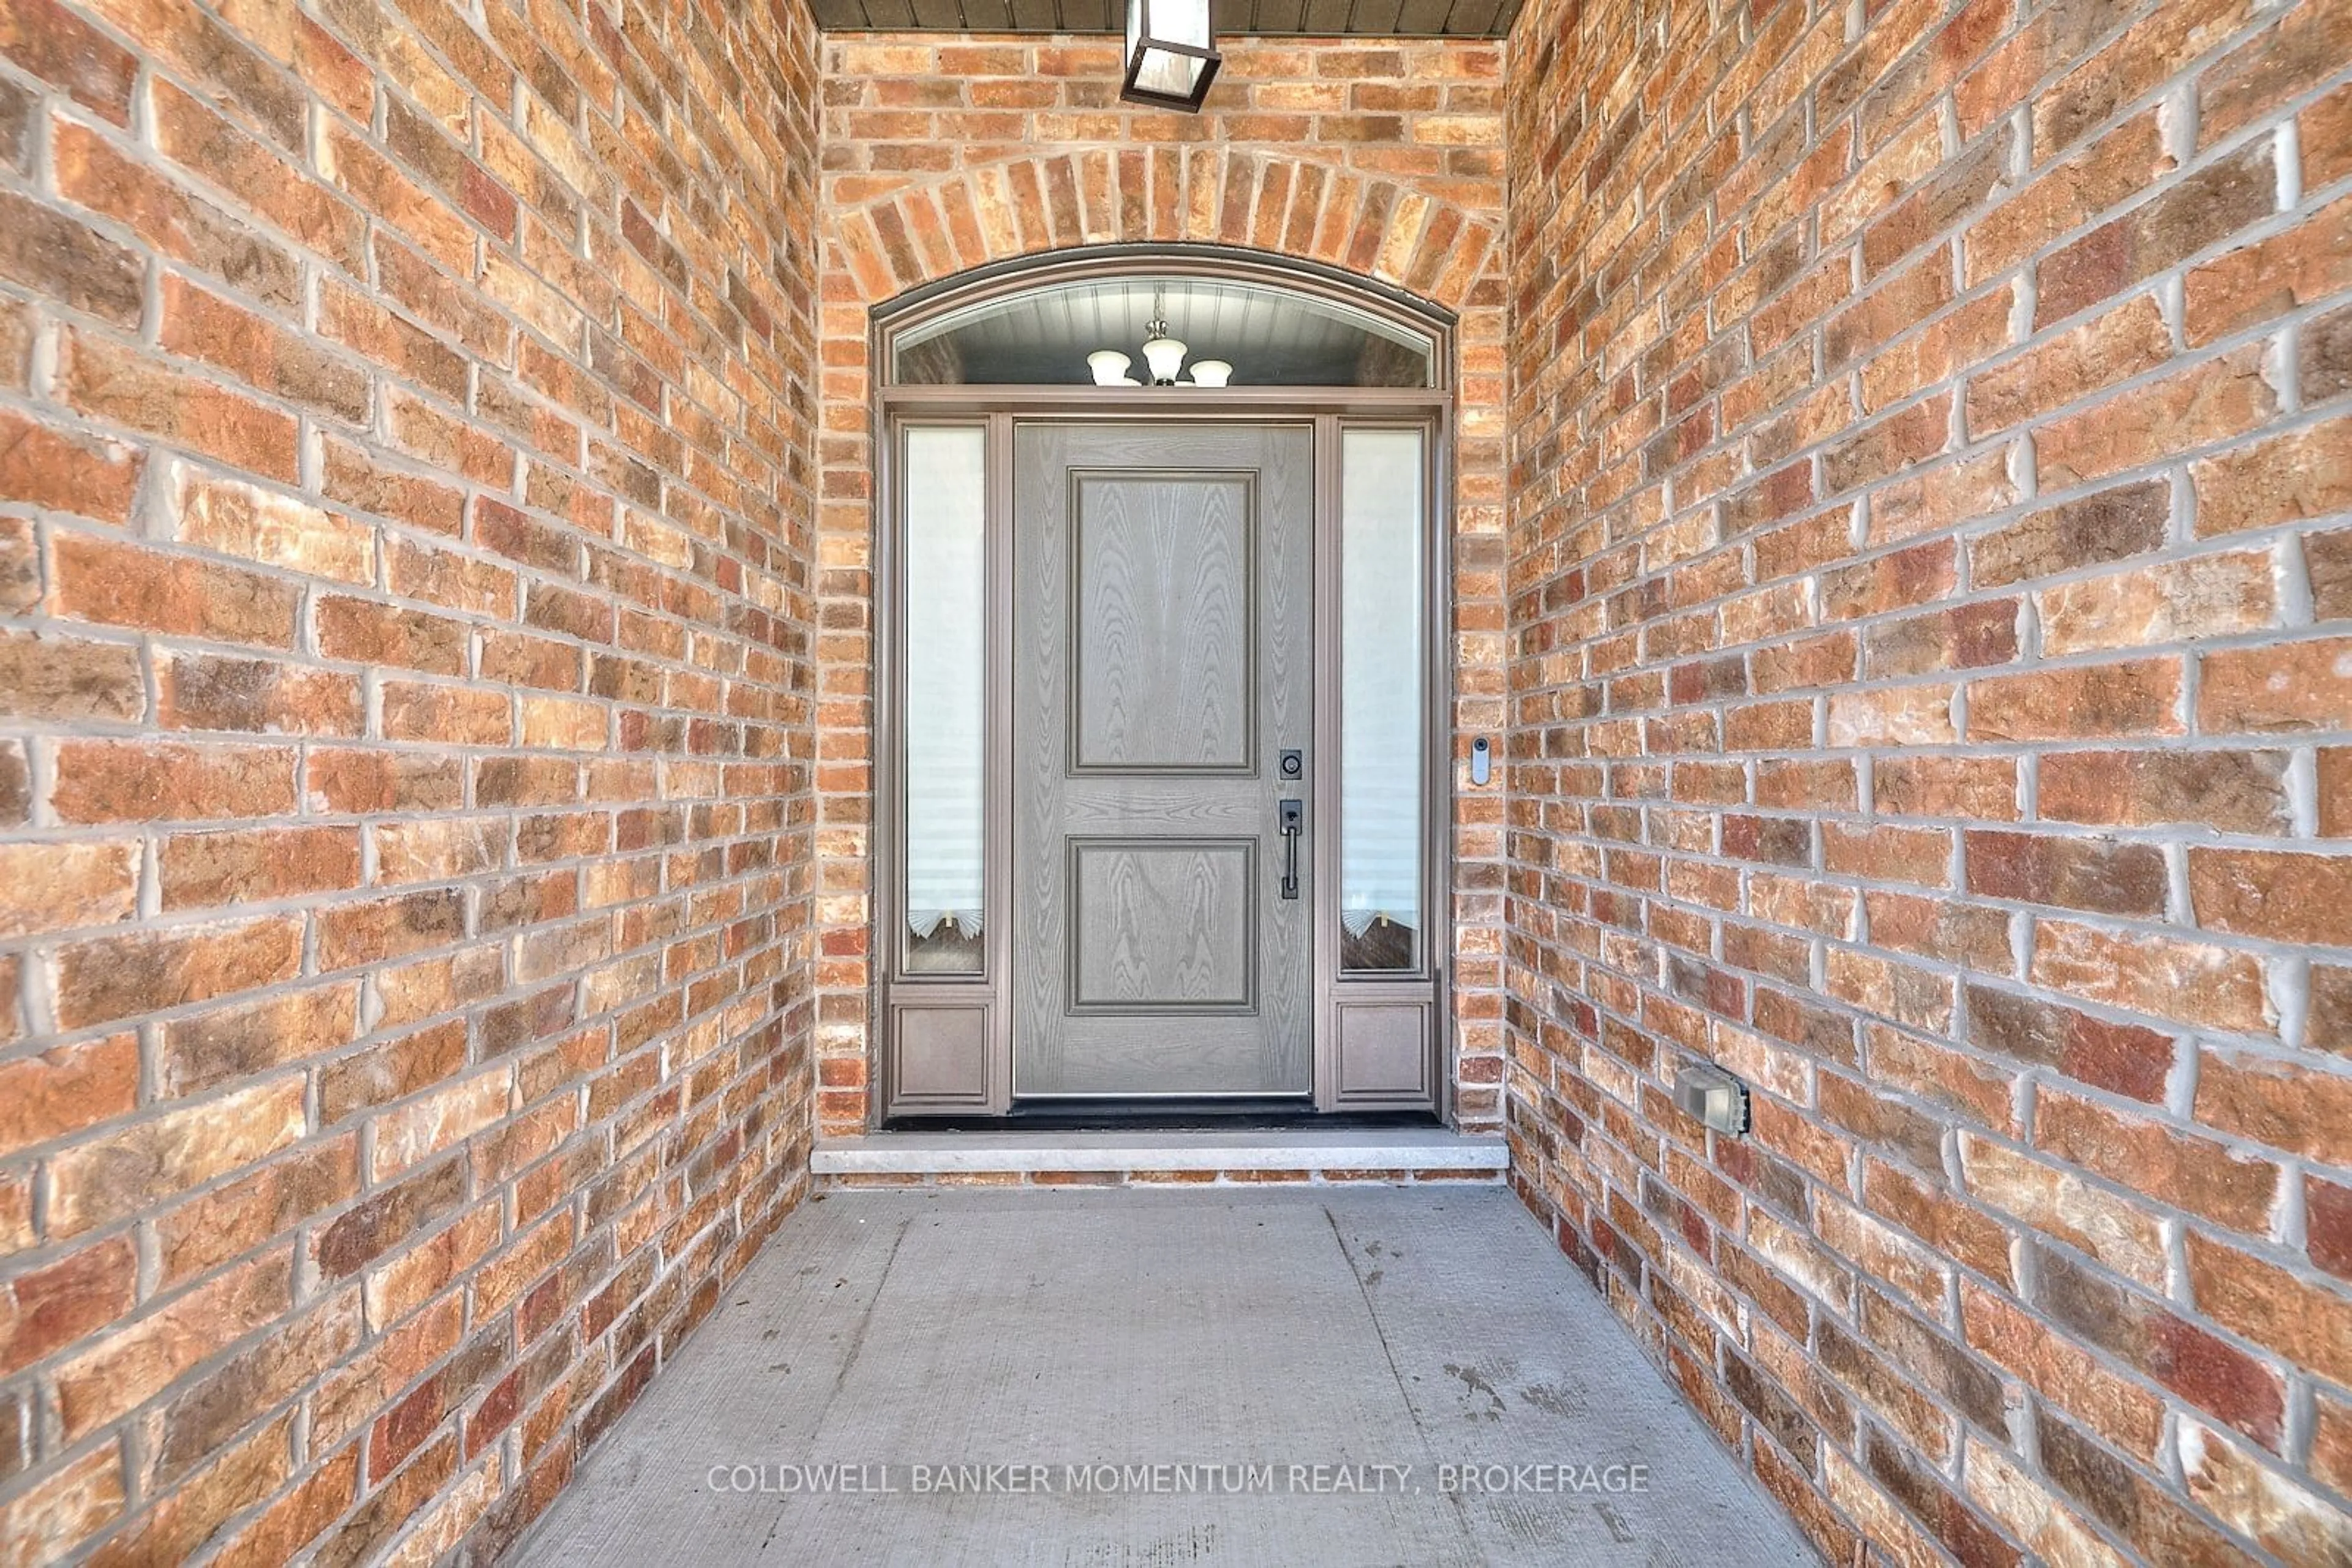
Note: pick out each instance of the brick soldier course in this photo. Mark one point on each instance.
(1904, 458)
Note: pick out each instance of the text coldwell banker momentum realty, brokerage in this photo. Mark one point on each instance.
(770, 1478)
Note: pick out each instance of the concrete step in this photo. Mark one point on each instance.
(1254, 1156)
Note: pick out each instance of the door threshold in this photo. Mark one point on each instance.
(1256, 1155)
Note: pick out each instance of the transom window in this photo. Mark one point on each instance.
(1269, 335)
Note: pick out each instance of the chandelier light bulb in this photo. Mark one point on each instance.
(1109, 366)
(1211, 373)
(1165, 355)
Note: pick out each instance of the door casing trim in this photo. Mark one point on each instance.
(997, 410)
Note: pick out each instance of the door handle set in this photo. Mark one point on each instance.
(1293, 821)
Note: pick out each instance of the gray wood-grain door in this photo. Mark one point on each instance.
(1162, 628)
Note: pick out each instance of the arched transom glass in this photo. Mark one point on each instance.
(1050, 335)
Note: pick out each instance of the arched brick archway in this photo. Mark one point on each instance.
(884, 236)
(1387, 230)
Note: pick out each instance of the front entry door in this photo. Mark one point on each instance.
(1163, 687)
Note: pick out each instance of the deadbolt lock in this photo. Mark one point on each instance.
(1293, 765)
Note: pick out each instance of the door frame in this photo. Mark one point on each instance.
(962, 1009)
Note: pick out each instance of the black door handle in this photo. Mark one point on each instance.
(1293, 822)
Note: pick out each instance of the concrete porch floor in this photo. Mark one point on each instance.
(1308, 1327)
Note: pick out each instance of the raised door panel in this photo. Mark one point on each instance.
(1166, 926)
(1162, 623)
(1383, 1053)
(938, 1056)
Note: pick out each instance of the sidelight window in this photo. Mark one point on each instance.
(943, 480)
(1383, 487)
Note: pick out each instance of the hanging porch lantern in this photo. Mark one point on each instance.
(1171, 57)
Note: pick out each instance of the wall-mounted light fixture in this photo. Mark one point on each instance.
(1171, 57)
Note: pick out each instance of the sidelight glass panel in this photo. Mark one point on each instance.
(1381, 697)
(944, 480)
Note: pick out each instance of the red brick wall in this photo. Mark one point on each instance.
(945, 152)
(1931, 686)
(406, 512)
